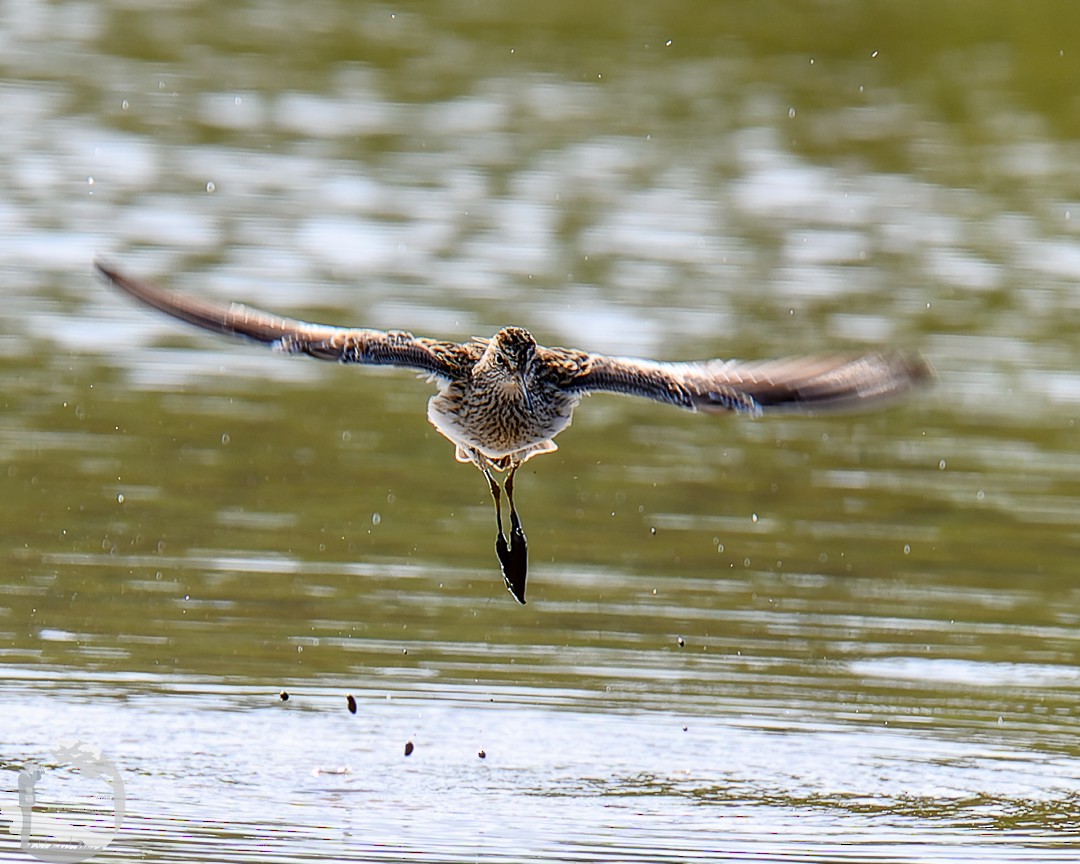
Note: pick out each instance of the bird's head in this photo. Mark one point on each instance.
(509, 360)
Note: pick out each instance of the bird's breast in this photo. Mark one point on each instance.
(500, 421)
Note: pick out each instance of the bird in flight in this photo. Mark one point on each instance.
(502, 400)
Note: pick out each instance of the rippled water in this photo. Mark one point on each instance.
(828, 639)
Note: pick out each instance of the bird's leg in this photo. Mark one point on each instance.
(513, 572)
(516, 563)
(515, 523)
(513, 554)
(497, 497)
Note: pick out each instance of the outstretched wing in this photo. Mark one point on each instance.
(347, 345)
(808, 383)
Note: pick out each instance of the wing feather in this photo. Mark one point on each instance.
(807, 383)
(325, 342)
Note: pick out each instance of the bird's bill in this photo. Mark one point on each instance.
(525, 392)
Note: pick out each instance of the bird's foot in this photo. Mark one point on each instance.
(514, 557)
(513, 554)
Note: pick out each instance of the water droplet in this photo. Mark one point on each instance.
(376, 518)
(120, 498)
(791, 112)
(210, 186)
(225, 439)
(753, 517)
(941, 465)
(907, 549)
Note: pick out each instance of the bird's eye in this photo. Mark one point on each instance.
(500, 361)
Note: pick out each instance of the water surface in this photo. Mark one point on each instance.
(825, 639)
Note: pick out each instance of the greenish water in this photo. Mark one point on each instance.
(848, 638)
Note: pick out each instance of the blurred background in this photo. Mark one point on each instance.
(799, 639)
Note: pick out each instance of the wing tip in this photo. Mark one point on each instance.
(108, 271)
(206, 314)
(849, 382)
(919, 370)
(902, 371)
(136, 288)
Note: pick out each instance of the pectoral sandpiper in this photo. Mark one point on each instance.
(503, 400)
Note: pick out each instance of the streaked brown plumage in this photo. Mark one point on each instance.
(503, 400)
